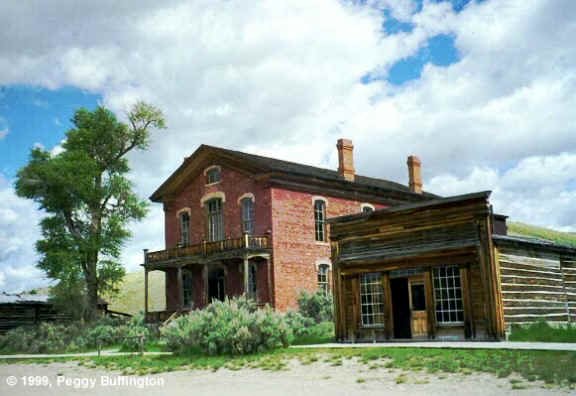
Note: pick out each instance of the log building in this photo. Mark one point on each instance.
(444, 269)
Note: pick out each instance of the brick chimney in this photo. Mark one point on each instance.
(346, 159)
(415, 174)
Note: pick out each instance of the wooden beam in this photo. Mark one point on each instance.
(388, 309)
(180, 289)
(145, 292)
(430, 303)
(246, 279)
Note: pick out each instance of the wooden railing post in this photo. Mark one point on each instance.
(204, 247)
(246, 240)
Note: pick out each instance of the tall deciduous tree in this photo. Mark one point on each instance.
(88, 199)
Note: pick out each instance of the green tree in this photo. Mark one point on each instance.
(88, 198)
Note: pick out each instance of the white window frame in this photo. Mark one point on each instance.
(371, 300)
(449, 304)
(183, 237)
(247, 217)
(366, 206)
(323, 279)
(320, 229)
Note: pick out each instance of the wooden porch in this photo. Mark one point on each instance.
(196, 274)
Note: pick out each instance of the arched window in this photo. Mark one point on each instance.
(252, 281)
(323, 284)
(247, 206)
(184, 219)
(213, 175)
(367, 208)
(215, 220)
(320, 220)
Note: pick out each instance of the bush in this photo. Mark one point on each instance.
(70, 337)
(132, 333)
(231, 327)
(317, 306)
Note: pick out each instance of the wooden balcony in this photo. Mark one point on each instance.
(231, 247)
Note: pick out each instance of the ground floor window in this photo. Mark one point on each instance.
(448, 295)
(372, 299)
(323, 279)
(187, 288)
(252, 282)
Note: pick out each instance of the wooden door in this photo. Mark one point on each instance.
(418, 308)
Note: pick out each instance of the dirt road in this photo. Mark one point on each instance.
(316, 379)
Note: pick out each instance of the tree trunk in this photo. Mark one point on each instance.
(91, 289)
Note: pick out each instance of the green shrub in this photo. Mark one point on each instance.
(231, 327)
(133, 332)
(299, 323)
(317, 306)
(543, 332)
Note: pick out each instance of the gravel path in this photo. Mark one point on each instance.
(317, 379)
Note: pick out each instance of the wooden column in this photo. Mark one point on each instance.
(205, 297)
(430, 303)
(145, 292)
(180, 289)
(388, 313)
(469, 328)
(269, 280)
(245, 275)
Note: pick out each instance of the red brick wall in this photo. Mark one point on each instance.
(233, 184)
(295, 249)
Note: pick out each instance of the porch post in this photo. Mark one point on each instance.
(245, 275)
(180, 289)
(205, 284)
(269, 280)
(145, 292)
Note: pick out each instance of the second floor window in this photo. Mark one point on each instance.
(215, 220)
(184, 229)
(320, 220)
(247, 215)
(213, 175)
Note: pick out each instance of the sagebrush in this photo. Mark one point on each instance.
(231, 327)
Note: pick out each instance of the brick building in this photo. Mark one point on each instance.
(237, 222)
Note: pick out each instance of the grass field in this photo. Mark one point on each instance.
(552, 367)
(563, 238)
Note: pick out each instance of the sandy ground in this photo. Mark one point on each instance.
(316, 379)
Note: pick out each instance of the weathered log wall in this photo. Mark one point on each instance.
(537, 286)
(15, 315)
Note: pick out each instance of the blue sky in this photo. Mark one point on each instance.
(482, 91)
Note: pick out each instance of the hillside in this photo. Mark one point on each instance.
(521, 229)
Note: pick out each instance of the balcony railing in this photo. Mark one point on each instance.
(205, 249)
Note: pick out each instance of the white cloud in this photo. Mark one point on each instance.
(283, 79)
(3, 133)
(18, 234)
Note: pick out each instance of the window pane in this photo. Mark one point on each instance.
(448, 295)
(247, 216)
(323, 285)
(320, 220)
(215, 220)
(372, 299)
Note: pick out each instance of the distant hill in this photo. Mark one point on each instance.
(563, 238)
(130, 299)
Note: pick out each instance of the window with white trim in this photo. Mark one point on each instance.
(215, 220)
(367, 209)
(247, 205)
(252, 281)
(372, 300)
(320, 220)
(213, 175)
(448, 295)
(184, 219)
(323, 285)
